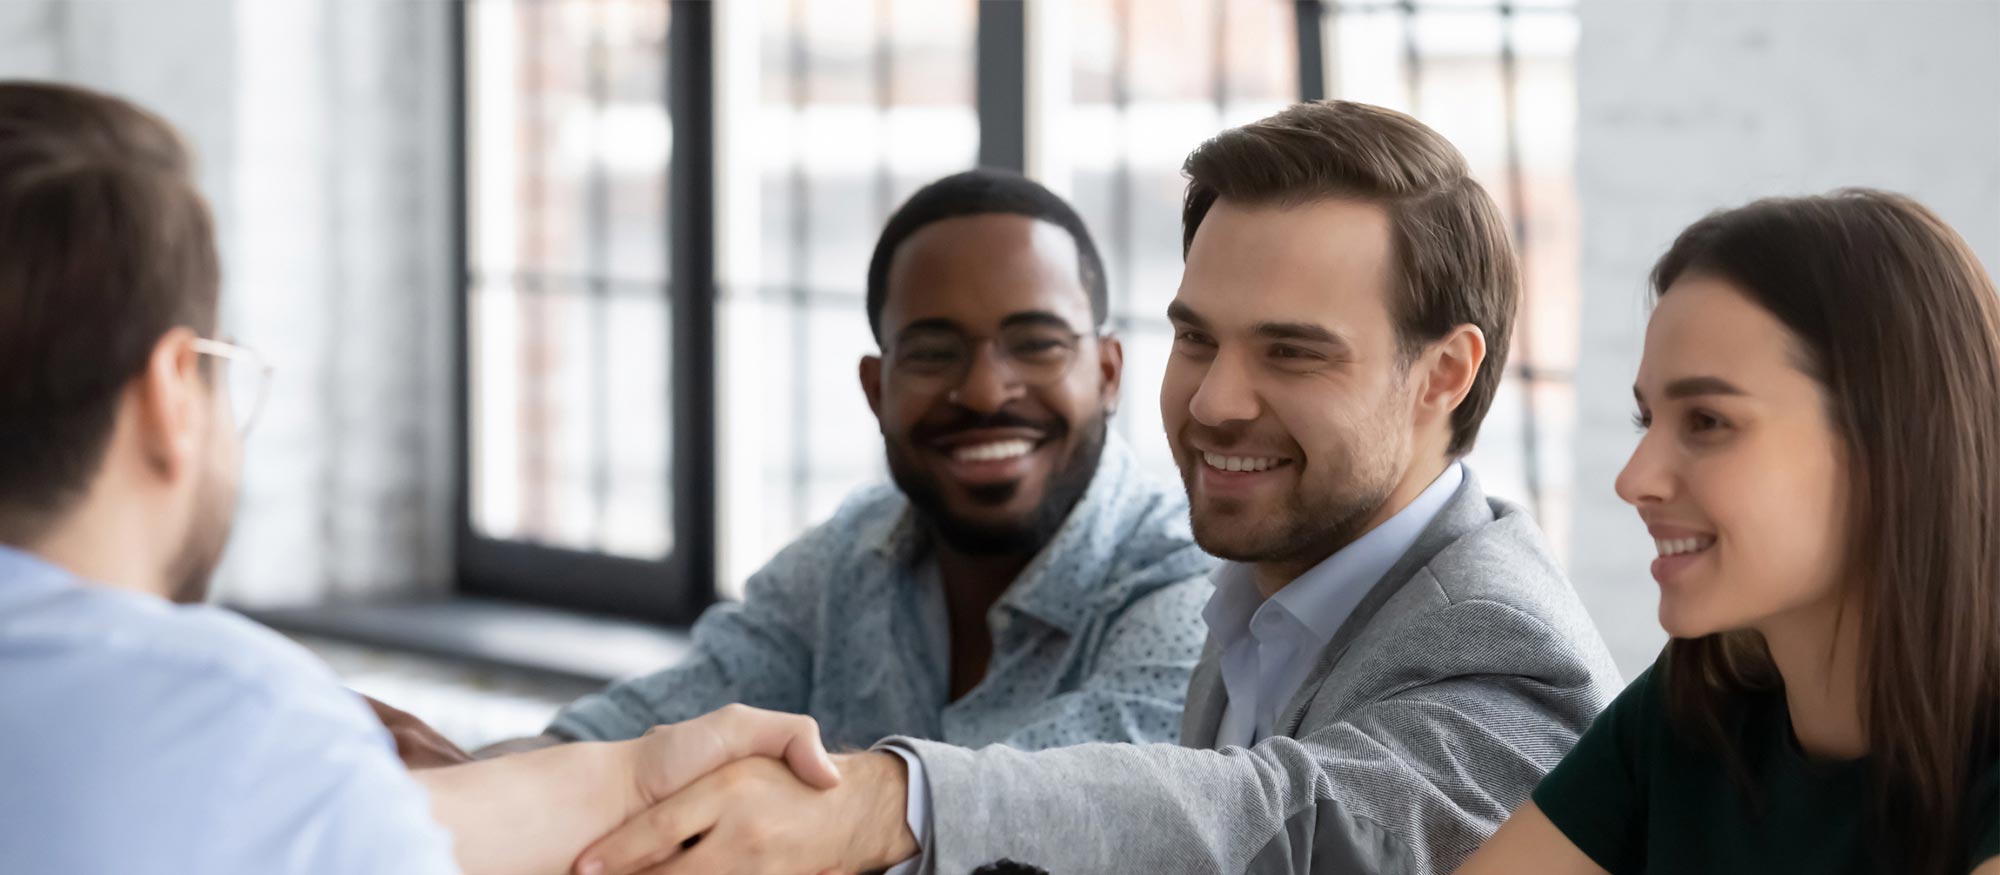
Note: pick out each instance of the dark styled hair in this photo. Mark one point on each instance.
(1453, 257)
(1901, 326)
(105, 245)
(982, 192)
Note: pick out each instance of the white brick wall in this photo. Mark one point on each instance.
(322, 131)
(1688, 106)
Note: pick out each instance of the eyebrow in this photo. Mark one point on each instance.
(1029, 317)
(1694, 387)
(1037, 317)
(1180, 312)
(1294, 331)
(1305, 331)
(935, 323)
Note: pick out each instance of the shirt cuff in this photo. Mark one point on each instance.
(917, 809)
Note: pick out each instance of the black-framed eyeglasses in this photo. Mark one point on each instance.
(246, 375)
(1036, 354)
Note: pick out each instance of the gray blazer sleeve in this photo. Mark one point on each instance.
(1410, 783)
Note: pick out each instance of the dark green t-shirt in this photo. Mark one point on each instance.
(1637, 798)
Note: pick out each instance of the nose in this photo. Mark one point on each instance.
(989, 383)
(1226, 394)
(1648, 477)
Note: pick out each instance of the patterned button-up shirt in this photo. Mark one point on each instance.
(1094, 641)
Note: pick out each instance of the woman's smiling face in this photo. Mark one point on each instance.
(1741, 475)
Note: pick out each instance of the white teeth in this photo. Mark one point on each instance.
(1240, 463)
(993, 452)
(1677, 546)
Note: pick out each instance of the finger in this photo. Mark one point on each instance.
(696, 747)
(706, 858)
(654, 835)
(795, 738)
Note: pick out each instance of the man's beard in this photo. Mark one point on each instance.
(1320, 516)
(1066, 485)
(1309, 528)
(189, 573)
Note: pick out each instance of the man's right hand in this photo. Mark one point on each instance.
(417, 744)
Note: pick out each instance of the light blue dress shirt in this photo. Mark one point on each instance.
(1269, 646)
(138, 736)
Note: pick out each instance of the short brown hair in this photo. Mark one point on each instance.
(1452, 252)
(105, 245)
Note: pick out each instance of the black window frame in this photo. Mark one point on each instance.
(670, 591)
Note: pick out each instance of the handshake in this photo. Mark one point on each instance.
(738, 790)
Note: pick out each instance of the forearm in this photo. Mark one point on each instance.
(1099, 807)
(532, 813)
(517, 745)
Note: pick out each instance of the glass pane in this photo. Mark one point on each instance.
(568, 146)
(857, 105)
(1500, 82)
(1150, 81)
(1148, 343)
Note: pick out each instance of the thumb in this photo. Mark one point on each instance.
(678, 754)
(794, 738)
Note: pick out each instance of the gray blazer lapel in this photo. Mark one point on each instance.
(1201, 717)
(1464, 514)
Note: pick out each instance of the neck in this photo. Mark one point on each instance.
(92, 543)
(973, 583)
(1817, 651)
(1276, 574)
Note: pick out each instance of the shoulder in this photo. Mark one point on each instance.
(870, 517)
(1504, 576)
(1506, 559)
(101, 636)
(112, 655)
(163, 720)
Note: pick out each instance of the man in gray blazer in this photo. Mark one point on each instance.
(1393, 659)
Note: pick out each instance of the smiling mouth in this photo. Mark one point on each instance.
(1683, 546)
(992, 451)
(1242, 464)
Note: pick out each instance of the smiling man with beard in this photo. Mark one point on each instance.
(1023, 583)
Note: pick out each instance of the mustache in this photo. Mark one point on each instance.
(964, 419)
(1239, 438)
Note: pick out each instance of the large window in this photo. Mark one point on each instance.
(847, 109)
(1498, 78)
(1149, 81)
(670, 206)
(582, 479)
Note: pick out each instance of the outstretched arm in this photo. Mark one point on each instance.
(532, 813)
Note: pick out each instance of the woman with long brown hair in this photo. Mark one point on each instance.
(1820, 468)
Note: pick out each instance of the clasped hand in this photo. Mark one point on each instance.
(748, 792)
